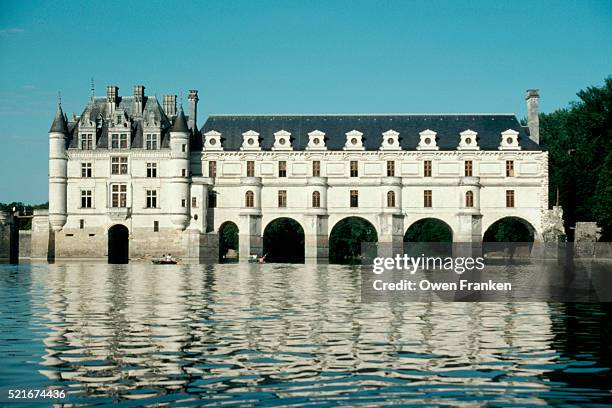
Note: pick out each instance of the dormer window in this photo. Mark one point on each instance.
(119, 141)
(212, 140)
(390, 140)
(509, 140)
(250, 140)
(428, 140)
(151, 141)
(86, 141)
(282, 141)
(468, 140)
(354, 140)
(316, 140)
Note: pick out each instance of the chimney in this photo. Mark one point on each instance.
(169, 105)
(139, 99)
(533, 120)
(112, 97)
(193, 109)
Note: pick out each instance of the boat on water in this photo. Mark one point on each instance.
(254, 258)
(164, 261)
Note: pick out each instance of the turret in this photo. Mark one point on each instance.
(57, 170)
(179, 181)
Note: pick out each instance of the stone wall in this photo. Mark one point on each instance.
(25, 244)
(5, 236)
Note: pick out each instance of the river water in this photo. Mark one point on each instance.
(275, 335)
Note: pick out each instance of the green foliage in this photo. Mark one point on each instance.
(579, 142)
(508, 230)
(429, 230)
(228, 238)
(283, 241)
(346, 238)
(603, 206)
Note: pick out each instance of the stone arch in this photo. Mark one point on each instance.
(283, 241)
(429, 229)
(346, 236)
(519, 221)
(228, 241)
(118, 244)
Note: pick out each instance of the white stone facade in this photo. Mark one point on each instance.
(182, 219)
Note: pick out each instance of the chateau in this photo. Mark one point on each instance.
(144, 175)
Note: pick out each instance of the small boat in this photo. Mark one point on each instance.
(253, 258)
(164, 261)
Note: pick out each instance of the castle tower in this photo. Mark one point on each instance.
(57, 170)
(179, 182)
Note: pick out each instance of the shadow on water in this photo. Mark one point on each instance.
(277, 334)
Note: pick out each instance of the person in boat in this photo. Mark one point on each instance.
(169, 257)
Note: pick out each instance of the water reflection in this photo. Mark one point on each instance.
(249, 333)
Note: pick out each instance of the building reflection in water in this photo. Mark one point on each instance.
(222, 331)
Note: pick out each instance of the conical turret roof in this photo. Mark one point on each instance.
(180, 123)
(59, 122)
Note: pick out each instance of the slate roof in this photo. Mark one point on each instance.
(335, 127)
(180, 123)
(97, 110)
(59, 122)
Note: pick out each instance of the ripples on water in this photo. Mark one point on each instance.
(279, 335)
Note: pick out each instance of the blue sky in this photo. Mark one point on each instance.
(288, 57)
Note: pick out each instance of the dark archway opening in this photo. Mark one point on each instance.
(346, 238)
(228, 242)
(508, 237)
(429, 236)
(283, 241)
(118, 244)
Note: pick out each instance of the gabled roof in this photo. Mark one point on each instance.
(335, 127)
(59, 122)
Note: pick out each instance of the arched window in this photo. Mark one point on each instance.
(469, 199)
(316, 199)
(249, 199)
(391, 199)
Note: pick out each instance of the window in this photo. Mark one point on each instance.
(151, 170)
(119, 195)
(249, 199)
(183, 172)
(469, 199)
(183, 148)
(250, 169)
(194, 202)
(87, 141)
(282, 198)
(119, 141)
(86, 199)
(183, 203)
(427, 168)
(155, 226)
(354, 169)
(212, 199)
(81, 223)
(391, 199)
(282, 168)
(427, 198)
(151, 198)
(509, 168)
(86, 170)
(316, 168)
(390, 168)
(468, 168)
(212, 169)
(510, 198)
(354, 198)
(119, 165)
(316, 199)
(151, 141)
